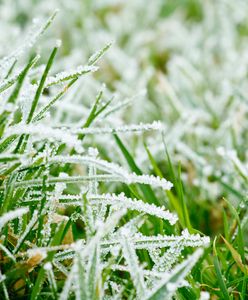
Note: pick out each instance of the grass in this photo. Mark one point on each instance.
(95, 204)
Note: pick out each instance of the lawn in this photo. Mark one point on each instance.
(123, 160)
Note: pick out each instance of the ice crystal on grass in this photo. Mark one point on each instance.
(64, 76)
(8, 216)
(29, 41)
(133, 264)
(73, 215)
(169, 284)
(125, 128)
(114, 170)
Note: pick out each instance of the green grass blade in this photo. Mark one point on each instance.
(41, 85)
(146, 190)
(93, 274)
(38, 284)
(21, 78)
(96, 56)
(168, 286)
(219, 275)
(178, 201)
(42, 112)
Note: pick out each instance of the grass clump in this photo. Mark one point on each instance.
(133, 189)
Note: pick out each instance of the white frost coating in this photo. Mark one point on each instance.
(25, 99)
(151, 180)
(169, 284)
(93, 152)
(29, 41)
(63, 76)
(48, 266)
(93, 184)
(94, 57)
(134, 204)
(204, 295)
(114, 169)
(133, 265)
(85, 251)
(44, 132)
(71, 132)
(27, 230)
(146, 272)
(132, 178)
(110, 223)
(68, 283)
(8, 253)
(5, 83)
(161, 241)
(122, 200)
(7, 217)
(51, 278)
(164, 262)
(156, 125)
(232, 155)
(37, 252)
(2, 277)
(58, 43)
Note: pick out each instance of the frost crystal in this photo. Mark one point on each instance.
(64, 76)
(9, 216)
(91, 216)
